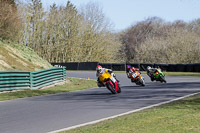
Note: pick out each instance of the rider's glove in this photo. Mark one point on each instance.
(112, 74)
(110, 71)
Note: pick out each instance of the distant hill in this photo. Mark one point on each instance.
(16, 57)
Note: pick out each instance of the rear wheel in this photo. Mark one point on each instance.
(111, 88)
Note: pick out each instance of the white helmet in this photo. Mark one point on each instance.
(99, 69)
(148, 68)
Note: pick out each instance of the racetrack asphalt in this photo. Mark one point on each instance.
(48, 113)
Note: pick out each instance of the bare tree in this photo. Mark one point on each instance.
(97, 42)
(10, 22)
(66, 34)
(179, 46)
(137, 34)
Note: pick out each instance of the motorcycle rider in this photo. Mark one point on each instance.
(150, 71)
(101, 71)
(130, 70)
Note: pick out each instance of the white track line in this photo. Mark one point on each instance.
(136, 110)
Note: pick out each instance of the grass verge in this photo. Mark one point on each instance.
(182, 74)
(178, 117)
(195, 74)
(73, 84)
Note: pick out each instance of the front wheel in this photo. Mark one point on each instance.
(119, 89)
(111, 88)
(142, 83)
(162, 79)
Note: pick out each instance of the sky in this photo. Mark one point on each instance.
(125, 13)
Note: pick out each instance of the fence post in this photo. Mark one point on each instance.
(64, 73)
(31, 80)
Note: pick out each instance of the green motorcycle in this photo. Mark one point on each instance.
(159, 76)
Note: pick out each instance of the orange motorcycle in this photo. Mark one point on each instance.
(137, 78)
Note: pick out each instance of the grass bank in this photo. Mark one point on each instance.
(72, 84)
(178, 117)
(17, 57)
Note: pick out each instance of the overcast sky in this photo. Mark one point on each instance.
(124, 13)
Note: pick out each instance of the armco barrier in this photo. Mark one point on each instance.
(143, 66)
(78, 65)
(46, 77)
(189, 68)
(106, 65)
(196, 67)
(180, 68)
(118, 66)
(163, 67)
(87, 65)
(114, 66)
(122, 66)
(69, 65)
(171, 68)
(16, 80)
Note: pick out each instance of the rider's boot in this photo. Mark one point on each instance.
(152, 78)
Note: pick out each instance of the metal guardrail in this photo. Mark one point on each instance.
(16, 80)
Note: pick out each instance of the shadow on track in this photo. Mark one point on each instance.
(151, 91)
(157, 85)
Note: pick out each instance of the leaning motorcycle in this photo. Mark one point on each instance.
(159, 76)
(137, 78)
(114, 87)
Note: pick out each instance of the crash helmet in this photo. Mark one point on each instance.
(128, 67)
(99, 69)
(148, 68)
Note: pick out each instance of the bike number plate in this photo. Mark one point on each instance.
(134, 75)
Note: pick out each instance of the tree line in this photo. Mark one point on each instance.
(84, 34)
(156, 41)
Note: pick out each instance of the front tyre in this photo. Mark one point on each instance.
(142, 83)
(119, 89)
(111, 88)
(162, 79)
